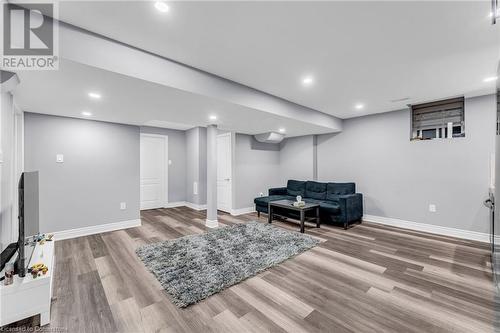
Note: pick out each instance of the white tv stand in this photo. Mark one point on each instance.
(27, 296)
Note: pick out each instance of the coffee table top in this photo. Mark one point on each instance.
(289, 204)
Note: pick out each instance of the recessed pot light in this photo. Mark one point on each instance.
(94, 95)
(86, 113)
(359, 106)
(491, 79)
(213, 117)
(308, 80)
(162, 6)
(281, 130)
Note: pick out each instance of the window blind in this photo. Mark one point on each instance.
(433, 120)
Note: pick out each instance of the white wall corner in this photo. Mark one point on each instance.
(195, 206)
(96, 229)
(175, 204)
(241, 211)
(430, 228)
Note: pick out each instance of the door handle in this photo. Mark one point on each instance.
(489, 203)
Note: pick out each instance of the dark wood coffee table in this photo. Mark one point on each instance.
(288, 204)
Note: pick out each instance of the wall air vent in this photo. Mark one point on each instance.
(270, 137)
(400, 99)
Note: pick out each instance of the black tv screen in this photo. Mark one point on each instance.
(28, 209)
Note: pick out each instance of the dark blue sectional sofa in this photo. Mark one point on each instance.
(339, 203)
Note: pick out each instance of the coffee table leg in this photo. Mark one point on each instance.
(318, 222)
(269, 213)
(302, 218)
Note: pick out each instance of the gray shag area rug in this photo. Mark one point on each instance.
(194, 267)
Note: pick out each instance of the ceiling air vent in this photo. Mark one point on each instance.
(270, 137)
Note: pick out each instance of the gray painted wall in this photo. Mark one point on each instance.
(297, 159)
(177, 155)
(100, 170)
(256, 170)
(399, 178)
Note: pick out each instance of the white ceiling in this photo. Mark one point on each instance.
(137, 102)
(359, 52)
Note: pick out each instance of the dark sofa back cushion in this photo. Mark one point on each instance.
(296, 187)
(334, 189)
(315, 190)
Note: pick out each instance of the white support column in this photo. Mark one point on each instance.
(211, 221)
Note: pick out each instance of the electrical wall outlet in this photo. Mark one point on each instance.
(169, 162)
(261, 194)
(195, 188)
(432, 208)
(123, 205)
(59, 158)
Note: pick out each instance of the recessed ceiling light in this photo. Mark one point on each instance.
(281, 130)
(359, 106)
(94, 95)
(308, 80)
(491, 78)
(86, 113)
(213, 117)
(162, 6)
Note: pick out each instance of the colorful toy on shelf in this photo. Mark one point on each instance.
(38, 270)
(42, 238)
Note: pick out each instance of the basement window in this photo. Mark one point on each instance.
(438, 120)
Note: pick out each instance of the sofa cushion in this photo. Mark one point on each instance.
(296, 187)
(329, 208)
(335, 189)
(315, 190)
(264, 201)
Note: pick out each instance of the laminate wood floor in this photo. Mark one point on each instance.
(370, 278)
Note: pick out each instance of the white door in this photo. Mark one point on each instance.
(154, 171)
(224, 181)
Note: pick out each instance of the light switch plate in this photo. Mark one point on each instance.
(60, 158)
(123, 205)
(195, 188)
(432, 208)
(169, 162)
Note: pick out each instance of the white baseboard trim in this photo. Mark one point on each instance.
(241, 211)
(175, 204)
(95, 229)
(434, 229)
(195, 206)
(211, 223)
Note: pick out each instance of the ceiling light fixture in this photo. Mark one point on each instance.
(213, 117)
(86, 113)
(162, 6)
(94, 95)
(308, 80)
(281, 130)
(359, 106)
(490, 79)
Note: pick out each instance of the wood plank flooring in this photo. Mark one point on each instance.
(370, 278)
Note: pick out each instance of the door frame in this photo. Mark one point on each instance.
(230, 135)
(165, 166)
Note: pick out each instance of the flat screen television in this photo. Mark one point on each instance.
(28, 223)
(28, 218)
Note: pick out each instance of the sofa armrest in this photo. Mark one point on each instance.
(351, 207)
(277, 191)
